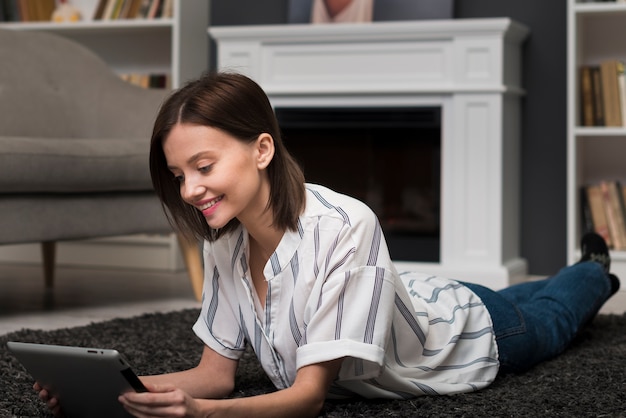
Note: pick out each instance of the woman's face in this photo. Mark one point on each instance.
(221, 176)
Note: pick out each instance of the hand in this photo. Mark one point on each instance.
(51, 401)
(160, 401)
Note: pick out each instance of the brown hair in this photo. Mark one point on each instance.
(238, 106)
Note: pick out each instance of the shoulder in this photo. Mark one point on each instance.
(226, 247)
(324, 202)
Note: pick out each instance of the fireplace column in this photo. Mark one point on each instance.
(471, 68)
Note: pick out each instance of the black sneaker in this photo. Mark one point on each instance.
(614, 283)
(594, 248)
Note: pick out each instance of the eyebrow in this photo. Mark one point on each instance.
(197, 156)
(192, 159)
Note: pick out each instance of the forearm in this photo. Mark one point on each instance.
(305, 398)
(195, 382)
(181, 393)
(292, 402)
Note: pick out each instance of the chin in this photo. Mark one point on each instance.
(216, 224)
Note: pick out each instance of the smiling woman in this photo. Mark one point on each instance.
(217, 171)
(303, 275)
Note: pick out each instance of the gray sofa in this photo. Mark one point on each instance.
(74, 143)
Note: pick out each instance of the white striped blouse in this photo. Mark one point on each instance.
(333, 292)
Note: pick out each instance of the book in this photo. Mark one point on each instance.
(99, 11)
(154, 81)
(168, 8)
(24, 9)
(585, 212)
(621, 198)
(587, 113)
(144, 9)
(598, 215)
(133, 10)
(610, 93)
(108, 10)
(153, 12)
(45, 9)
(621, 89)
(117, 9)
(10, 11)
(598, 103)
(27, 10)
(614, 215)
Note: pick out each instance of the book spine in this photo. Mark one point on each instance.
(596, 205)
(598, 101)
(612, 111)
(586, 97)
(612, 215)
(585, 212)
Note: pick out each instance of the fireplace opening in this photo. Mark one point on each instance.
(388, 157)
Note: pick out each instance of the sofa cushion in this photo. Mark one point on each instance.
(73, 165)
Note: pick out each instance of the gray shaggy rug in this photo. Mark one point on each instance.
(588, 380)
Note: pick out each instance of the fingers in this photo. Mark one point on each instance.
(159, 388)
(161, 400)
(51, 402)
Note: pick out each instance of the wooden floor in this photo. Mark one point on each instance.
(82, 296)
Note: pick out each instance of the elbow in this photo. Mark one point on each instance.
(224, 388)
(316, 407)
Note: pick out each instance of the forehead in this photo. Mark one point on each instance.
(186, 135)
(187, 140)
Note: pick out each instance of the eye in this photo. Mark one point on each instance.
(205, 169)
(178, 178)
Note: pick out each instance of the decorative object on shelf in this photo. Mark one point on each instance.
(133, 9)
(65, 12)
(302, 11)
(342, 11)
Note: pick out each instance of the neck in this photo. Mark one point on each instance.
(264, 239)
(258, 221)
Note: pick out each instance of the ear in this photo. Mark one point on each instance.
(265, 150)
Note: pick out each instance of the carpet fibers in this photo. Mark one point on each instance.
(588, 380)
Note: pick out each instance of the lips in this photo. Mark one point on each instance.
(208, 207)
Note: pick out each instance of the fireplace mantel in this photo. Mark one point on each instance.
(471, 68)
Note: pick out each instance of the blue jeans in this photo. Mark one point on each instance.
(535, 321)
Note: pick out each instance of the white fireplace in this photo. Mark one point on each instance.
(470, 68)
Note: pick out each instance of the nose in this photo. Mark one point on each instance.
(191, 188)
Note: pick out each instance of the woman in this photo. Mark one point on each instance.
(303, 275)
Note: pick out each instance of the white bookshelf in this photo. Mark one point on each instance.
(178, 46)
(596, 32)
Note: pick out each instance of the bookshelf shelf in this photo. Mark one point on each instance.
(596, 33)
(102, 26)
(581, 131)
(599, 8)
(140, 45)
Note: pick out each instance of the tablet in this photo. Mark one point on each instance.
(86, 381)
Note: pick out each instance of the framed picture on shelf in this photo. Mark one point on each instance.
(328, 11)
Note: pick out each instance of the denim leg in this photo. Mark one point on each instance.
(535, 321)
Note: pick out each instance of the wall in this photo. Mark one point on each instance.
(544, 110)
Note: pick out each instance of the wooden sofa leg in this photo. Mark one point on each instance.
(48, 254)
(193, 261)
